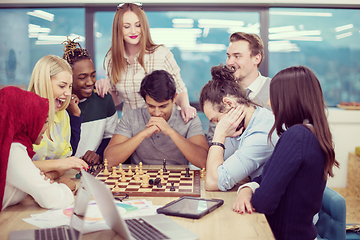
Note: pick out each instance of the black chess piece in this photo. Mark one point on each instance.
(92, 168)
(159, 185)
(187, 174)
(172, 187)
(78, 175)
(151, 182)
(164, 166)
(157, 180)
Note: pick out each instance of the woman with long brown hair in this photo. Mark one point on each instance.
(289, 191)
(133, 55)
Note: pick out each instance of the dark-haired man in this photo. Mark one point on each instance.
(158, 132)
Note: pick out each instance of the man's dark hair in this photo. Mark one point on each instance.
(159, 85)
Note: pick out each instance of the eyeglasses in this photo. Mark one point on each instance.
(122, 5)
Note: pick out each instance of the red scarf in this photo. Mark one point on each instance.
(22, 117)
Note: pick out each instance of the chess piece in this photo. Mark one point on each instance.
(187, 174)
(162, 180)
(123, 178)
(78, 175)
(164, 166)
(129, 172)
(114, 172)
(137, 176)
(116, 189)
(92, 168)
(172, 189)
(159, 185)
(145, 182)
(140, 166)
(106, 171)
(202, 173)
(120, 168)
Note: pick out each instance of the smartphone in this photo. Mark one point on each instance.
(190, 207)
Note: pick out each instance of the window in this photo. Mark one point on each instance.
(198, 40)
(326, 41)
(30, 34)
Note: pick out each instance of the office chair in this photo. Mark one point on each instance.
(332, 216)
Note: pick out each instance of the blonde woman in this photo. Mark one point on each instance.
(133, 55)
(52, 79)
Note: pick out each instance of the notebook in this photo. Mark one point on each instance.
(159, 226)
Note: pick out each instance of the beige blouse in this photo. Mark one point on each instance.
(127, 89)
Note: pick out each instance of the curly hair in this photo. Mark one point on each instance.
(73, 51)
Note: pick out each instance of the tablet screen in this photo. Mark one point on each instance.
(191, 207)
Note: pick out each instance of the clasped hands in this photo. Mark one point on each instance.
(155, 125)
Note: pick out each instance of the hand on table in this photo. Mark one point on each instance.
(188, 113)
(230, 121)
(91, 156)
(243, 201)
(73, 107)
(102, 87)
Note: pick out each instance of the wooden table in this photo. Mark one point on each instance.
(223, 223)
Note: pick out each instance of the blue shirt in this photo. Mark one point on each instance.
(246, 154)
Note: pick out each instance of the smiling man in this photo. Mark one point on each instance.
(158, 132)
(98, 116)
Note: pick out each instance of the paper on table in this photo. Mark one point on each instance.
(94, 220)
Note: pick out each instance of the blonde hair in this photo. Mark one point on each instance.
(117, 62)
(40, 82)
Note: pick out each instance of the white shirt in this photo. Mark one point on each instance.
(23, 178)
(256, 86)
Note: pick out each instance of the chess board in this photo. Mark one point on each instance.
(184, 186)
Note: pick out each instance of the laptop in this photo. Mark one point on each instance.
(156, 226)
(64, 232)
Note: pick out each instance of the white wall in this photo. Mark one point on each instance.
(345, 127)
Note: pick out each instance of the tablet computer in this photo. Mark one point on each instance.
(190, 207)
